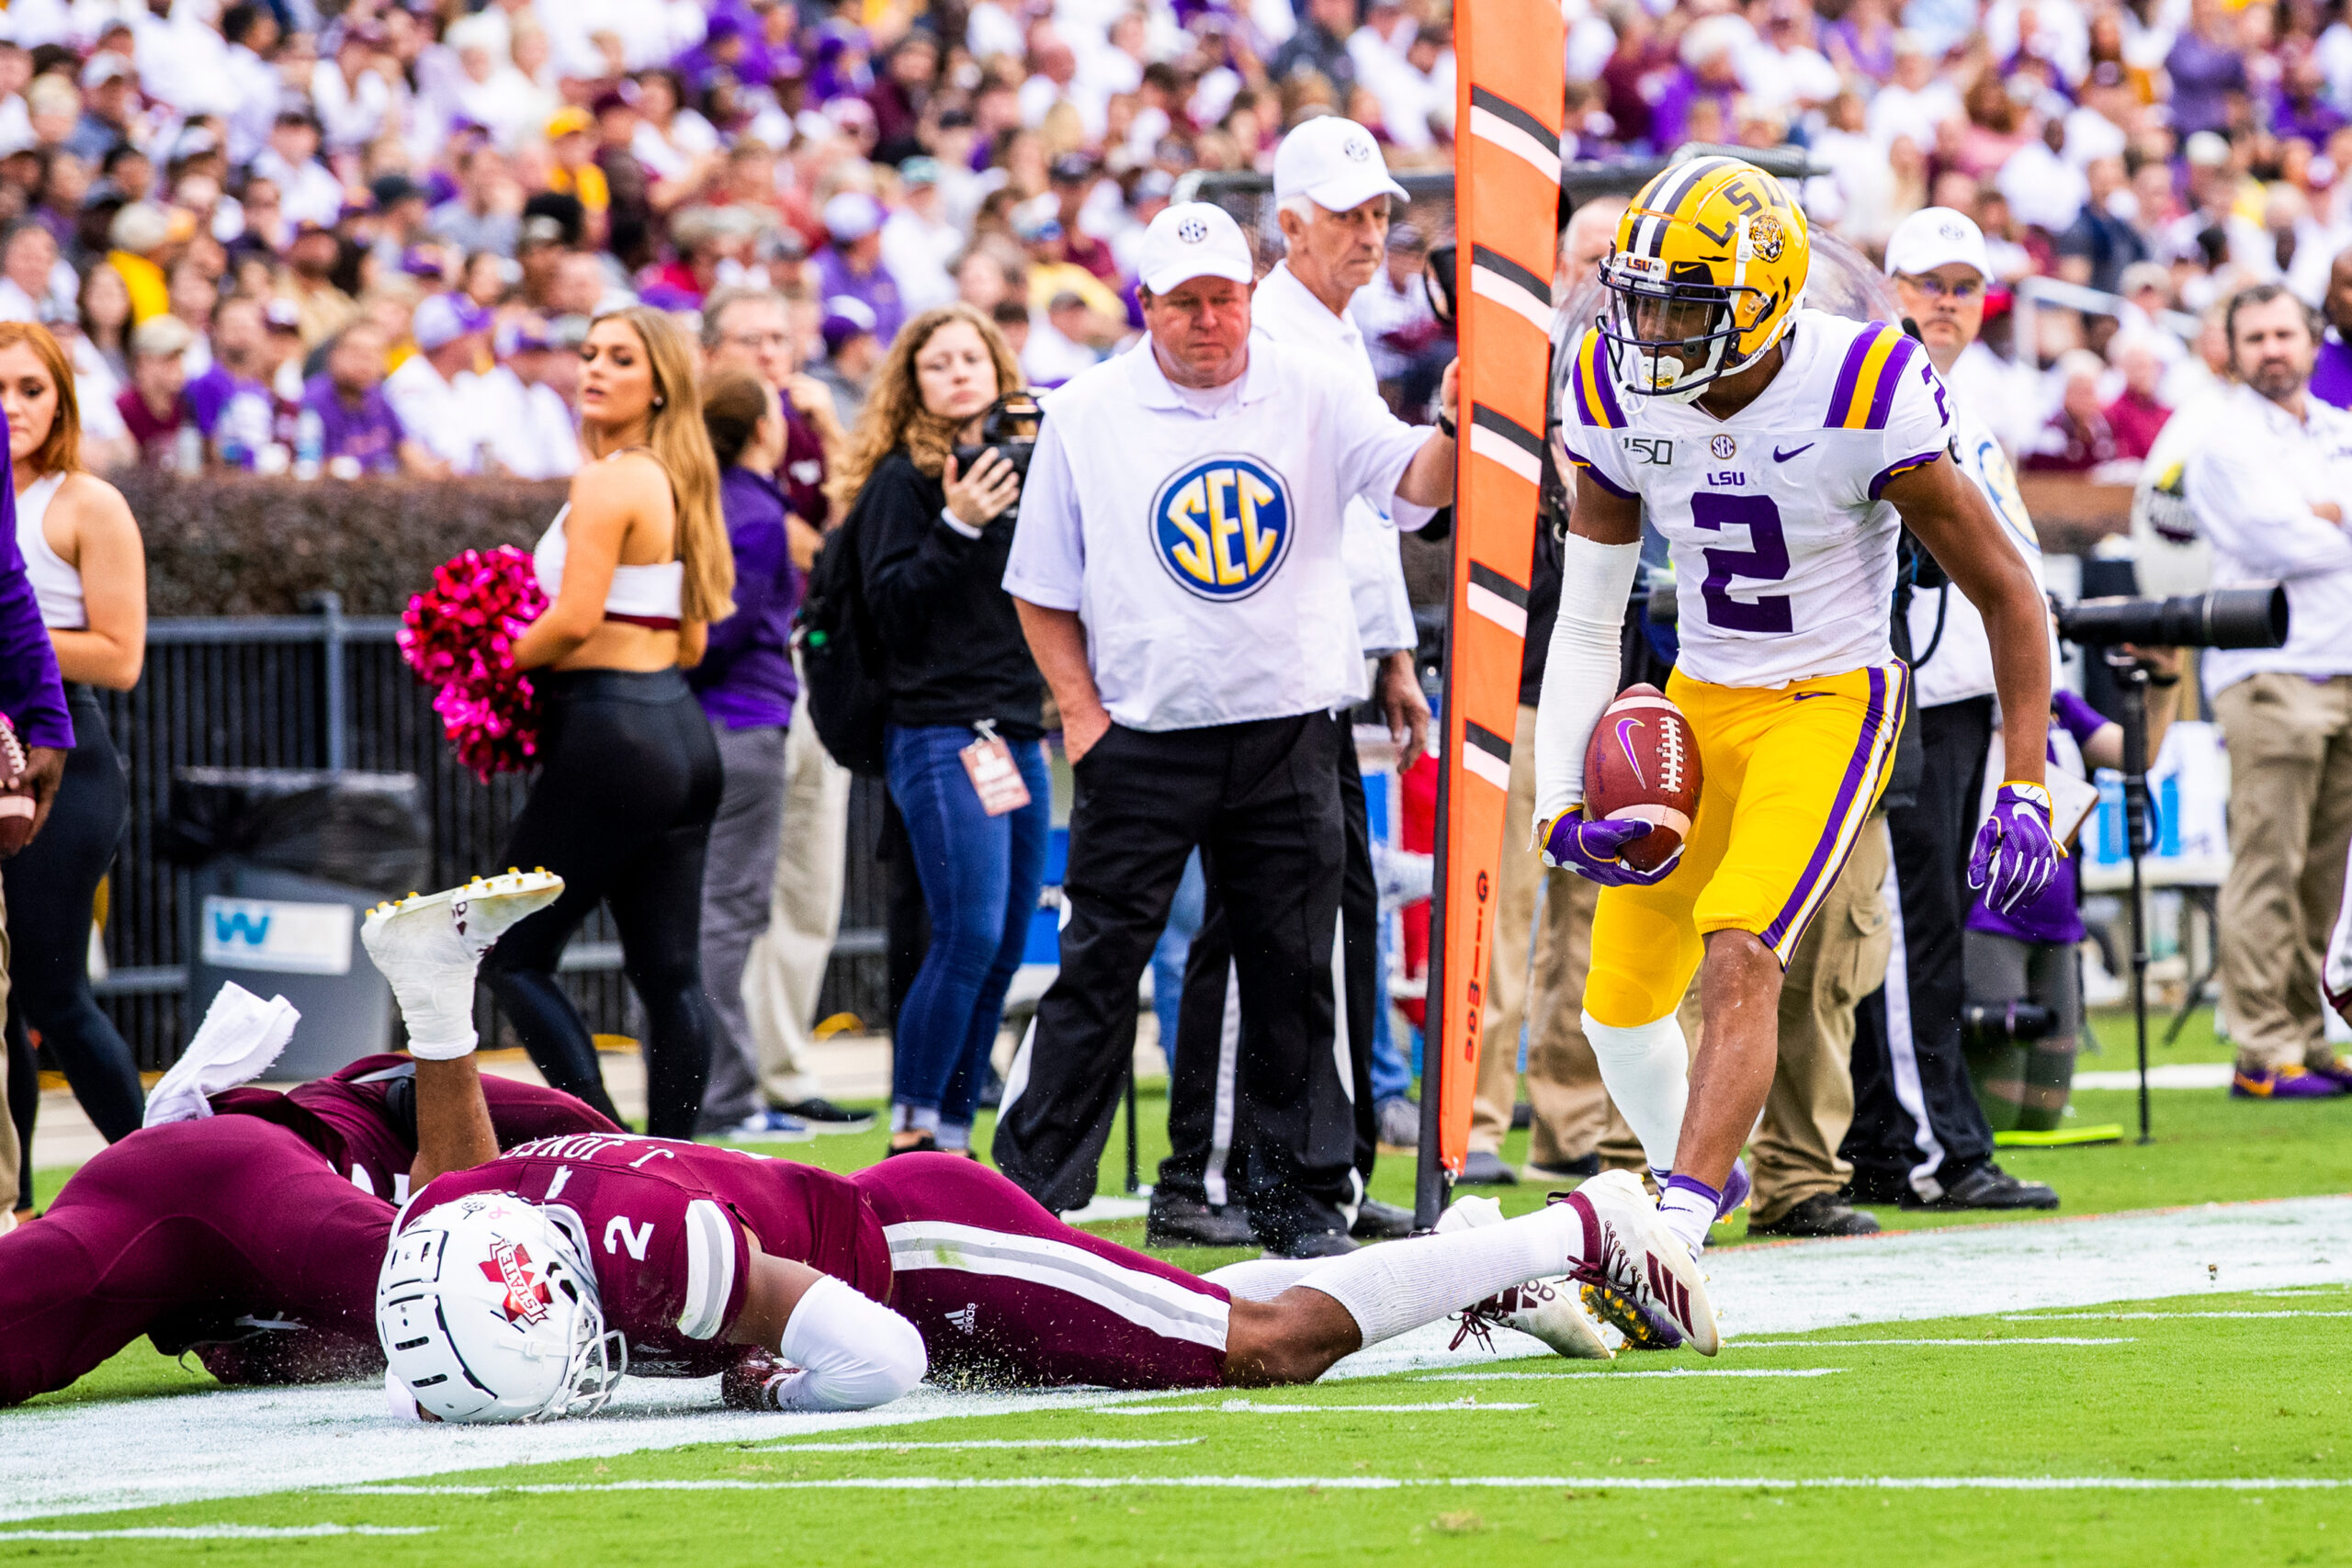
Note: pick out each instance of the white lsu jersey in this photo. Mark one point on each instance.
(1783, 550)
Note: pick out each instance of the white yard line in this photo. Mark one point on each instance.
(1392, 1484)
(239, 1442)
(1660, 1372)
(220, 1533)
(984, 1443)
(1970, 1344)
(1252, 1407)
(2130, 1317)
(2176, 1075)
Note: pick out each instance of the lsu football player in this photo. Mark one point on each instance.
(1780, 451)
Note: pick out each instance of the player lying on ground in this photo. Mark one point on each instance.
(520, 1285)
(1780, 451)
(250, 1231)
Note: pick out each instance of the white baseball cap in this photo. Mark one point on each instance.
(1333, 163)
(1934, 237)
(1193, 239)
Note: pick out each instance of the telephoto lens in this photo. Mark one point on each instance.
(2007, 1023)
(1011, 427)
(2227, 618)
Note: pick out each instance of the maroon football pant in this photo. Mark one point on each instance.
(179, 1230)
(1004, 1293)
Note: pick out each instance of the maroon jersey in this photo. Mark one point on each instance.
(668, 1227)
(362, 1119)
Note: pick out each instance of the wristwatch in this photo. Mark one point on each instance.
(1445, 424)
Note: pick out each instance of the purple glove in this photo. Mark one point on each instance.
(2081, 719)
(2015, 856)
(1590, 850)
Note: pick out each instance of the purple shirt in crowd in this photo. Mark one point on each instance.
(370, 433)
(2332, 373)
(877, 290)
(745, 679)
(31, 693)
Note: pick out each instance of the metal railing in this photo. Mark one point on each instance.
(330, 691)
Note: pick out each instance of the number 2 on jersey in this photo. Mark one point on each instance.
(1766, 561)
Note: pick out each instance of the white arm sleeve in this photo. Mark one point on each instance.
(1580, 672)
(853, 1353)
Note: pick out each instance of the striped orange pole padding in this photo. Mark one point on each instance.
(1510, 81)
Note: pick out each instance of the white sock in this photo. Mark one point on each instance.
(1689, 1206)
(1263, 1279)
(1646, 1070)
(1400, 1285)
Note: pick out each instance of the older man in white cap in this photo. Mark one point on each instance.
(1180, 575)
(1333, 191)
(1920, 1136)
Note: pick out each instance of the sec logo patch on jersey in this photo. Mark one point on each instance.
(1222, 526)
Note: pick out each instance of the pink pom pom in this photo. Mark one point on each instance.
(458, 636)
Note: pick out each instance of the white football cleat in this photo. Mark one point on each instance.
(429, 944)
(1546, 1310)
(1632, 1262)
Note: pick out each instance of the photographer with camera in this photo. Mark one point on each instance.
(961, 745)
(2269, 488)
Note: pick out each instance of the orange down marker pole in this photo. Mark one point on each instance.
(1511, 79)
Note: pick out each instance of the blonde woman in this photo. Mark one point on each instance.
(932, 541)
(88, 569)
(636, 567)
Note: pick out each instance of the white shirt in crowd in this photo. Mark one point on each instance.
(2252, 485)
(444, 416)
(1286, 312)
(1961, 665)
(531, 431)
(1199, 537)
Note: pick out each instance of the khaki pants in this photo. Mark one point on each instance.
(1573, 1115)
(2290, 822)
(785, 968)
(1842, 959)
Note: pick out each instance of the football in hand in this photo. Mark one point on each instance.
(16, 803)
(1641, 765)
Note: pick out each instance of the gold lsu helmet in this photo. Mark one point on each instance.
(1708, 271)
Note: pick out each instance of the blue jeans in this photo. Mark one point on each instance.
(1168, 957)
(980, 876)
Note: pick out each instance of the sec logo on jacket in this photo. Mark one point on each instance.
(1222, 527)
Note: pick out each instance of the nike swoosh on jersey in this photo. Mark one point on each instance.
(1781, 457)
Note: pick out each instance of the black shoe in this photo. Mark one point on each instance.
(1823, 1213)
(924, 1144)
(1187, 1222)
(1312, 1244)
(1376, 1221)
(1480, 1168)
(1568, 1175)
(1874, 1187)
(824, 1116)
(1989, 1187)
(1522, 1116)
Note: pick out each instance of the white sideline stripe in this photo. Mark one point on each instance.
(1251, 1407)
(219, 1532)
(1503, 450)
(2145, 1316)
(1394, 1484)
(985, 1443)
(1664, 1372)
(2173, 1075)
(1151, 1302)
(1498, 609)
(2022, 1339)
(1489, 126)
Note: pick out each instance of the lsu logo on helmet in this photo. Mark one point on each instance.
(1222, 528)
(1707, 272)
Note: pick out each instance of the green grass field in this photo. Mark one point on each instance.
(1584, 1465)
(2087, 1443)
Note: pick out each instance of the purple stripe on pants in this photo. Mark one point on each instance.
(1825, 858)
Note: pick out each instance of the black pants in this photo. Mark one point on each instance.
(1917, 1121)
(50, 888)
(1261, 802)
(1208, 1160)
(621, 810)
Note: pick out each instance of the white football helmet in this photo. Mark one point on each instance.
(488, 1313)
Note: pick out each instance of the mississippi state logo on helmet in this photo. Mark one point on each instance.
(1708, 270)
(1222, 528)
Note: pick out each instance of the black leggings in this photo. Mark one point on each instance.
(50, 888)
(629, 784)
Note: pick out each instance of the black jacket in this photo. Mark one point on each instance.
(952, 642)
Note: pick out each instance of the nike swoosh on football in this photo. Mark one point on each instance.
(1781, 457)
